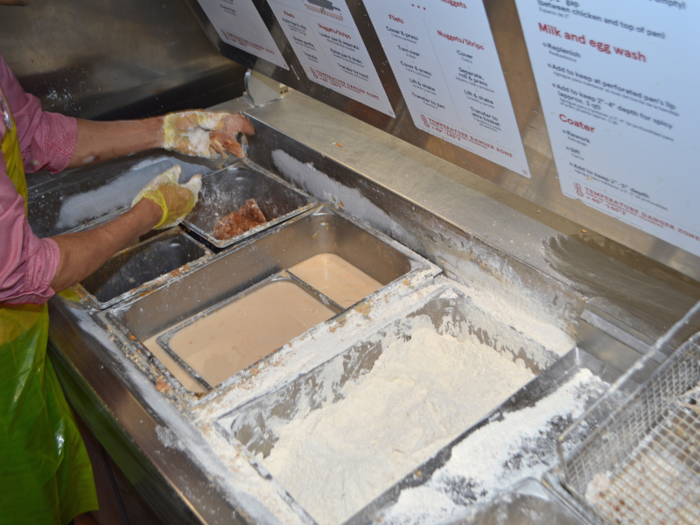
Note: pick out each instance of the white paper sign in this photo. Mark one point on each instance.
(445, 61)
(240, 25)
(620, 87)
(325, 38)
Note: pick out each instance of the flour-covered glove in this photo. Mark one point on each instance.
(205, 134)
(175, 199)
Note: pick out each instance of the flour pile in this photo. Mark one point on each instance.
(498, 455)
(420, 394)
(120, 192)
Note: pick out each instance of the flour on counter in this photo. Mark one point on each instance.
(420, 394)
(119, 193)
(321, 186)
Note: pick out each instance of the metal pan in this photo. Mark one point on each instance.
(224, 276)
(451, 311)
(227, 190)
(164, 340)
(84, 197)
(137, 269)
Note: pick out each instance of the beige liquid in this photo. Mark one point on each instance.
(236, 336)
(336, 278)
(170, 363)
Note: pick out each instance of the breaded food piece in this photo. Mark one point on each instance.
(238, 222)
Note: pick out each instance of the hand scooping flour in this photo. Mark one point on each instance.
(420, 395)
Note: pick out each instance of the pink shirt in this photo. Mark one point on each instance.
(47, 140)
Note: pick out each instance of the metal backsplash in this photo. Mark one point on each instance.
(543, 188)
(111, 59)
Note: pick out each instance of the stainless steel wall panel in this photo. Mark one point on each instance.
(543, 188)
(115, 59)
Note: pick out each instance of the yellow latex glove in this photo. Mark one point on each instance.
(175, 199)
(205, 134)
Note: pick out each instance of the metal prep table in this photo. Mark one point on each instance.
(472, 232)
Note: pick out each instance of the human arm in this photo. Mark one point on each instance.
(27, 263)
(196, 133)
(84, 252)
(55, 142)
(163, 203)
(33, 269)
(98, 141)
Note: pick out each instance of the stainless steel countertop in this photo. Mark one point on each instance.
(478, 233)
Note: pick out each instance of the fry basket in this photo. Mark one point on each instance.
(641, 464)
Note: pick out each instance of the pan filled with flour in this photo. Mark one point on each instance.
(342, 434)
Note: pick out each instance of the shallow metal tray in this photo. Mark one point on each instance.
(321, 230)
(449, 309)
(164, 340)
(137, 269)
(227, 190)
(101, 192)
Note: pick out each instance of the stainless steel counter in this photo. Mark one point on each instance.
(588, 290)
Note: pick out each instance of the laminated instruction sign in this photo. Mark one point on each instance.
(620, 89)
(445, 61)
(239, 24)
(329, 47)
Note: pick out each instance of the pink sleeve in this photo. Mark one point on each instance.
(27, 264)
(47, 139)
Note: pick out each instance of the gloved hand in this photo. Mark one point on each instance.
(176, 200)
(204, 133)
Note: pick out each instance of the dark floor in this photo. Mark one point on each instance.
(120, 504)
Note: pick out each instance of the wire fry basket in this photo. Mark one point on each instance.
(642, 463)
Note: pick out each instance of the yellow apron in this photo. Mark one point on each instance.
(45, 472)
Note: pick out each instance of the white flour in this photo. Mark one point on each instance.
(321, 186)
(497, 455)
(119, 193)
(420, 395)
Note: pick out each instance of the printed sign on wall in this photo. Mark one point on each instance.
(445, 61)
(328, 45)
(239, 24)
(619, 84)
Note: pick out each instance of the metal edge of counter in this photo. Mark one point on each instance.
(168, 478)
